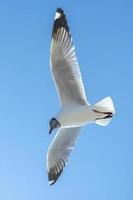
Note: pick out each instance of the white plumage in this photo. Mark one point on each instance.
(75, 110)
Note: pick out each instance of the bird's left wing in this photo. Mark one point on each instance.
(59, 151)
(64, 65)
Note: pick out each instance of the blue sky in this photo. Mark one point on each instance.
(100, 167)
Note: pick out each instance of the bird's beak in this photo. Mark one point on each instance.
(50, 130)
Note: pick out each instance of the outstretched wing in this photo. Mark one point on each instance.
(59, 151)
(64, 64)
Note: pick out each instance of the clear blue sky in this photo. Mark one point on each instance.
(101, 166)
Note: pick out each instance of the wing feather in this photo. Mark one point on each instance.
(64, 64)
(59, 151)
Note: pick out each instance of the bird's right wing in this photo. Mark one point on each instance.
(64, 64)
(59, 151)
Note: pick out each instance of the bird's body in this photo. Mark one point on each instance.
(77, 116)
(75, 111)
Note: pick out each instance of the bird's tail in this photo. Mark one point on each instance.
(106, 109)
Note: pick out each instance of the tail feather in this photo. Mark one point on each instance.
(106, 107)
(103, 122)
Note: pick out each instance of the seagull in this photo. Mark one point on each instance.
(75, 111)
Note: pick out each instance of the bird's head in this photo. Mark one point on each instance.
(53, 124)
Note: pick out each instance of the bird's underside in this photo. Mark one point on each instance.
(68, 81)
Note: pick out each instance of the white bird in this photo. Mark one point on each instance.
(75, 111)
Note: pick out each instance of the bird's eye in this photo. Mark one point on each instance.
(55, 125)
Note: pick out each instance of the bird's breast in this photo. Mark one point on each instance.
(75, 116)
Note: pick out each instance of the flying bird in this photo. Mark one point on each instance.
(75, 111)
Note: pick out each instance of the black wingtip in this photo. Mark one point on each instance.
(60, 21)
(53, 176)
(51, 182)
(60, 10)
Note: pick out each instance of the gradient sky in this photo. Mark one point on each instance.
(101, 166)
